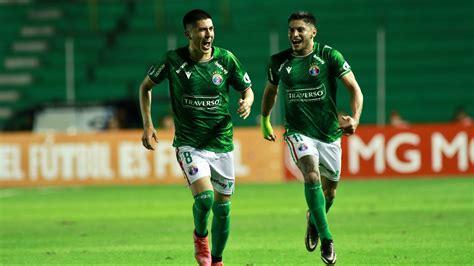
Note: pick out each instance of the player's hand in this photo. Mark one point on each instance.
(149, 138)
(347, 124)
(266, 128)
(244, 108)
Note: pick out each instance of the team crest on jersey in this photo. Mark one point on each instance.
(192, 170)
(217, 79)
(314, 70)
(302, 147)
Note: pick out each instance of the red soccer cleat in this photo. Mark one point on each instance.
(201, 250)
(220, 263)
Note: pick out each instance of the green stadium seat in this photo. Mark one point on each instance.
(429, 48)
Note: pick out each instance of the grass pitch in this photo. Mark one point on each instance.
(421, 221)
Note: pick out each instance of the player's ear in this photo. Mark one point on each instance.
(187, 34)
(315, 32)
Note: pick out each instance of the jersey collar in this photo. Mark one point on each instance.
(315, 48)
(215, 53)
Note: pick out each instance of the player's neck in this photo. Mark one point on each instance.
(305, 52)
(198, 56)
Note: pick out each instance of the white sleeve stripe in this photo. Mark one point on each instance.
(343, 73)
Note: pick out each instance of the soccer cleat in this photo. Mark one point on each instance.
(328, 254)
(220, 263)
(201, 250)
(311, 237)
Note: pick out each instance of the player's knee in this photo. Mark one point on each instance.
(312, 178)
(221, 209)
(204, 200)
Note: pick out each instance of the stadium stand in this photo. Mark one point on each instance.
(429, 47)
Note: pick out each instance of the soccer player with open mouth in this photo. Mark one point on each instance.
(305, 75)
(199, 76)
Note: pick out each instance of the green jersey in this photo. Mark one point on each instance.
(200, 96)
(309, 87)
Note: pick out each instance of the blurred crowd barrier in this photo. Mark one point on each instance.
(118, 157)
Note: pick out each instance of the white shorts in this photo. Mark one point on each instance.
(328, 154)
(197, 164)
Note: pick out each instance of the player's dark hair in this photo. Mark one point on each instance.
(194, 15)
(305, 16)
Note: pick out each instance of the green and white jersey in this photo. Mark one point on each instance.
(309, 87)
(200, 96)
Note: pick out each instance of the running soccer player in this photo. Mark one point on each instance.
(199, 76)
(306, 74)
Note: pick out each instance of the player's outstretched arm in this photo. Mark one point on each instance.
(245, 103)
(149, 132)
(349, 124)
(268, 101)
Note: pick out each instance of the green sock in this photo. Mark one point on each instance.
(316, 204)
(220, 227)
(201, 209)
(329, 202)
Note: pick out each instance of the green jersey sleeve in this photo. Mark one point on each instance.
(338, 63)
(239, 79)
(277, 62)
(159, 71)
(272, 73)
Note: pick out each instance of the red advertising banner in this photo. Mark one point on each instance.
(118, 157)
(420, 150)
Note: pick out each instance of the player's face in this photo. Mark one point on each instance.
(201, 36)
(301, 36)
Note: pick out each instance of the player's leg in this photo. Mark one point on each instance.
(196, 171)
(223, 181)
(317, 207)
(203, 201)
(330, 169)
(220, 226)
(312, 236)
(304, 152)
(329, 188)
(314, 194)
(328, 254)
